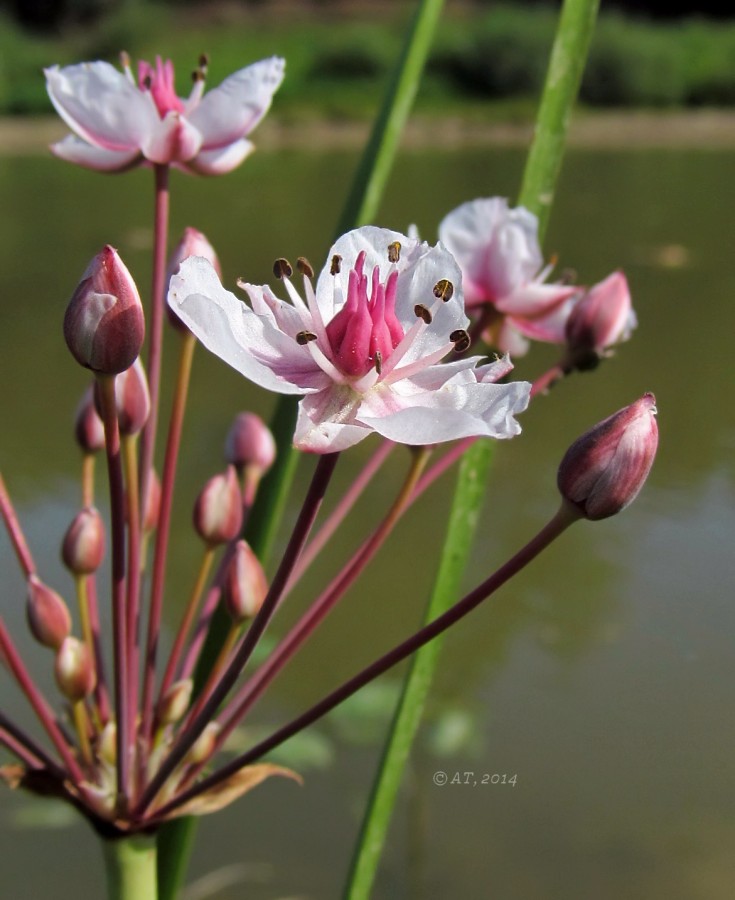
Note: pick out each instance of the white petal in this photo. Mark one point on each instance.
(222, 161)
(73, 149)
(101, 105)
(326, 423)
(455, 411)
(172, 140)
(232, 331)
(233, 109)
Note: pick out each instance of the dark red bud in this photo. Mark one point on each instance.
(603, 317)
(84, 543)
(603, 471)
(104, 325)
(48, 615)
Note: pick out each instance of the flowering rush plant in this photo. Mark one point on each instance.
(393, 342)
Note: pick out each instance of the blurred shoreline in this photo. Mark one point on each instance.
(700, 129)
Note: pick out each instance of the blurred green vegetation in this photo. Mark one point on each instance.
(339, 55)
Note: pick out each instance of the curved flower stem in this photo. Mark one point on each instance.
(340, 511)
(130, 864)
(168, 479)
(39, 703)
(564, 517)
(15, 532)
(568, 57)
(252, 690)
(88, 464)
(130, 464)
(185, 740)
(26, 749)
(546, 381)
(101, 692)
(119, 622)
(187, 619)
(155, 326)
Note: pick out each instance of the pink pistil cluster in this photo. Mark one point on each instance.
(160, 82)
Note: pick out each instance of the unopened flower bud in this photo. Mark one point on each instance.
(107, 744)
(603, 471)
(104, 325)
(152, 503)
(250, 443)
(84, 542)
(88, 428)
(245, 585)
(74, 670)
(193, 243)
(132, 399)
(48, 615)
(218, 509)
(176, 702)
(603, 317)
(203, 747)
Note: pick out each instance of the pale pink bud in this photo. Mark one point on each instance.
(132, 399)
(48, 615)
(203, 747)
(603, 471)
(603, 317)
(104, 325)
(249, 442)
(88, 428)
(218, 509)
(245, 585)
(193, 243)
(74, 670)
(176, 702)
(152, 503)
(84, 542)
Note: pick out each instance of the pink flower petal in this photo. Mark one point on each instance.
(219, 162)
(73, 149)
(173, 139)
(101, 105)
(233, 109)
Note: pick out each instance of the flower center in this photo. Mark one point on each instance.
(366, 330)
(160, 82)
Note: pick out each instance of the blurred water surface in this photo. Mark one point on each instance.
(601, 677)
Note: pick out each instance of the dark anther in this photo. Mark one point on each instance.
(147, 82)
(282, 268)
(203, 60)
(303, 337)
(460, 339)
(336, 264)
(443, 290)
(394, 252)
(378, 361)
(305, 267)
(423, 312)
(197, 75)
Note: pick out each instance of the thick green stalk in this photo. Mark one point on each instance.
(130, 864)
(568, 57)
(361, 207)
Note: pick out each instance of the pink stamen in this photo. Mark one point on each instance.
(160, 82)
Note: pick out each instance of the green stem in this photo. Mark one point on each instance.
(130, 864)
(542, 168)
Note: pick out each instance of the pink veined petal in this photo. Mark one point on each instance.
(75, 150)
(232, 331)
(326, 422)
(535, 299)
(232, 110)
(455, 411)
(101, 105)
(219, 162)
(550, 327)
(172, 140)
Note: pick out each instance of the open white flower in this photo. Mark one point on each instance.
(119, 122)
(364, 347)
